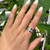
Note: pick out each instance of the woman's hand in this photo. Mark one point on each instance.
(15, 36)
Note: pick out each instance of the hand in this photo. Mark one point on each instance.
(15, 36)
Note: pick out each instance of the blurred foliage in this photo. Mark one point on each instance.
(47, 47)
(46, 27)
(46, 5)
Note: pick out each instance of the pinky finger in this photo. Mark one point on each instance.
(35, 43)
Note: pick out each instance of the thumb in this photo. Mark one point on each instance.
(34, 43)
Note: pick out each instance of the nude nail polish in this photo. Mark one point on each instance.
(28, 2)
(40, 9)
(36, 1)
(42, 39)
(15, 6)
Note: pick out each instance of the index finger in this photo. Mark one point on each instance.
(35, 20)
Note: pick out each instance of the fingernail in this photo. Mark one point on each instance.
(15, 6)
(36, 1)
(42, 39)
(40, 9)
(28, 2)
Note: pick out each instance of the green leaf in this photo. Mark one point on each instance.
(2, 18)
(33, 36)
(48, 39)
(3, 15)
(10, 6)
(1, 6)
(44, 15)
(45, 4)
(46, 27)
(21, 2)
(41, 29)
(47, 47)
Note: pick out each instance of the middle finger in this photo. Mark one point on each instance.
(20, 15)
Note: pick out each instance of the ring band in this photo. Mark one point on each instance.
(30, 30)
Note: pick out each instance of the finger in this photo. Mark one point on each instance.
(28, 16)
(34, 22)
(33, 44)
(20, 15)
(11, 17)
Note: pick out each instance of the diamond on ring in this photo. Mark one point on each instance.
(30, 30)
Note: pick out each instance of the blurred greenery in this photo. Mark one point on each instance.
(42, 27)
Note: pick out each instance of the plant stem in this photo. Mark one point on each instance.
(48, 22)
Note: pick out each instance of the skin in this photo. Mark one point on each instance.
(15, 36)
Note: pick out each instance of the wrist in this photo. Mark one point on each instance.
(3, 44)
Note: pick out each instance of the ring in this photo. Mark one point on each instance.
(30, 30)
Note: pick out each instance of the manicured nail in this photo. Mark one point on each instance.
(40, 9)
(28, 2)
(42, 39)
(15, 6)
(36, 1)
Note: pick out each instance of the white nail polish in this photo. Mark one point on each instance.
(36, 1)
(28, 2)
(42, 39)
(15, 6)
(40, 9)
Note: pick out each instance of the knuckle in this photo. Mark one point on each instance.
(5, 30)
(24, 8)
(19, 18)
(27, 17)
(37, 15)
(10, 18)
(32, 8)
(27, 36)
(12, 12)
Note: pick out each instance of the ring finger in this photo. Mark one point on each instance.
(34, 22)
